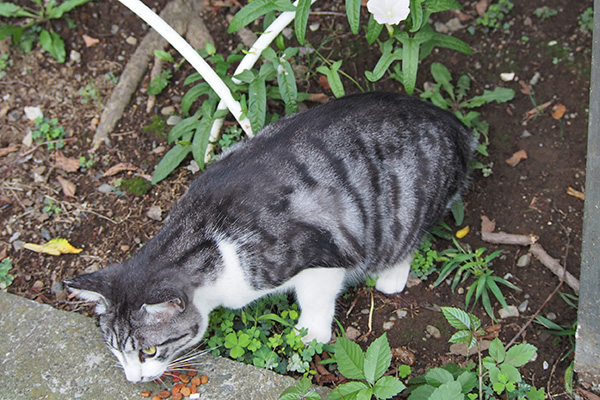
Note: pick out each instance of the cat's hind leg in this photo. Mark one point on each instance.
(316, 292)
(393, 280)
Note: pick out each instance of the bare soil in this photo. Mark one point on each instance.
(529, 198)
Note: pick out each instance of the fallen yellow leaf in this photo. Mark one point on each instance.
(463, 232)
(54, 247)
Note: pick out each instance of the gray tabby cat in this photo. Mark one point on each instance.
(317, 199)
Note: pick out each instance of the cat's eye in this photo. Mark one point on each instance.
(149, 351)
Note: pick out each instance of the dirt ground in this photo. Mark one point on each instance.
(529, 198)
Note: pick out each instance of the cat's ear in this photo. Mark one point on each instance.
(165, 311)
(94, 287)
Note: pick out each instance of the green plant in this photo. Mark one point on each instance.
(495, 374)
(463, 263)
(300, 392)
(263, 335)
(86, 163)
(454, 97)
(136, 185)
(36, 18)
(492, 18)
(91, 94)
(5, 278)
(50, 207)
(160, 82)
(423, 263)
(586, 20)
(158, 126)
(5, 62)
(365, 370)
(545, 12)
(49, 132)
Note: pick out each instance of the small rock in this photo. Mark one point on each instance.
(92, 268)
(314, 27)
(545, 365)
(512, 311)
(535, 79)
(75, 56)
(155, 213)
(387, 325)
(454, 25)
(18, 245)
(173, 120)
(168, 110)
(365, 311)
(14, 237)
(524, 260)
(526, 134)
(106, 188)
(460, 290)
(57, 288)
(352, 333)
(507, 76)
(433, 331)
(287, 33)
(440, 27)
(401, 313)
(551, 316)
(38, 285)
(125, 248)
(33, 112)
(523, 306)
(114, 29)
(412, 282)
(131, 40)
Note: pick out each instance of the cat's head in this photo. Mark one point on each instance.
(146, 325)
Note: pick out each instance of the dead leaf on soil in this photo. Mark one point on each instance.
(462, 349)
(90, 41)
(587, 395)
(3, 253)
(481, 7)
(558, 111)
(319, 98)
(68, 187)
(487, 226)
(537, 110)
(66, 164)
(323, 82)
(7, 150)
(462, 17)
(525, 87)
(119, 168)
(516, 158)
(54, 247)
(575, 193)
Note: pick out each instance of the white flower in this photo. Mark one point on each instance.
(389, 11)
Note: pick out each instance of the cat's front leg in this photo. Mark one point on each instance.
(316, 291)
(393, 280)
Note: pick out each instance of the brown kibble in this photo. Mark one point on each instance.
(146, 393)
(165, 394)
(192, 372)
(204, 379)
(177, 388)
(177, 396)
(185, 391)
(193, 389)
(156, 397)
(184, 378)
(195, 381)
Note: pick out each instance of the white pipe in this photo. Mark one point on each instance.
(188, 52)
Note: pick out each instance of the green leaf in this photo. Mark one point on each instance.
(499, 95)
(450, 42)
(301, 20)
(510, 372)
(169, 162)
(350, 358)
(191, 95)
(442, 5)
(185, 126)
(201, 139)
(456, 317)
(353, 14)
(496, 350)
(442, 76)
(387, 387)
(458, 211)
(257, 103)
(410, 63)
(163, 56)
(377, 359)
(438, 376)
(291, 393)
(416, 14)
(422, 392)
(462, 336)
(53, 44)
(468, 381)
(448, 391)
(65, 7)
(373, 29)
(274, 317)
(520, 354)
(388, 56)
(12, 10)
(491, 284)
(287, 86)
(347, 391)
(255, 10)
(333, 78)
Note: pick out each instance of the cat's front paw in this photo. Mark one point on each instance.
(393, 280)
(320, 333)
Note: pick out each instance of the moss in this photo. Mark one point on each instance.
(136, 185)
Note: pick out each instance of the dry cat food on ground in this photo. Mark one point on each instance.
(184, 386)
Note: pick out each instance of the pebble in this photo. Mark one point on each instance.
(551, 316)
(512, 311)
(114, 29)
(535, 79)
(352, 333)
(314, 27)
(526, 134)
(173, 120)
(401, 313)
(524, 260)
(545, 365)
(57, 288)
(454, 25)
(155, 213)
(106, 188)
(131, 40)
(92, 268)
(365, 311)
(14, 237)
(168, 110)
(75, 56)
(18, 245)
(523, 306)
(388, 325)
(33, 112)
(433, 331)
(507, 76)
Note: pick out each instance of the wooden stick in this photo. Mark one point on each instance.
(508, 238)
(554, 266)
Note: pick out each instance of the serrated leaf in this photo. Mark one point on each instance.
(377, 359)
(387, 387)
(257, 103)
(448, 391)
(290, 393)
(353, 14)
(468, 381)
(462, 336)
(456, 317)
(422, 392)
(511, 372)
(347, 391)
(520, 354)
(255, 10)
(301, 20)
(287, 86)
(54, 247)
(496, 350)
(350, 358)
(438, 376)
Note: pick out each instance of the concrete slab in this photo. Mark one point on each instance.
(52, 354)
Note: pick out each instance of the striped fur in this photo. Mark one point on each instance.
(330, 194)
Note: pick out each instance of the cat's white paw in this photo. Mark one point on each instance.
(320, 333)
(394, 279)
